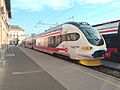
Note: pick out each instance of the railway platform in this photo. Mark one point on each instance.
(22, 73)
(28, 69)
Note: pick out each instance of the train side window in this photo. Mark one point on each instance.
(52, 41)
(64, 37)
(59, 39)
(49, 40)
(74, 36)
(68, 37)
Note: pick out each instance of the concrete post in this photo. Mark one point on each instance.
(2, 57)
(2, 54)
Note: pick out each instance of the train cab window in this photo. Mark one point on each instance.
(92, 35)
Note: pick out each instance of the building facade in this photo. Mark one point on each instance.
(16, 35)
(5, 15)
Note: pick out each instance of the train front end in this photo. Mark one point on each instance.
(93, 48)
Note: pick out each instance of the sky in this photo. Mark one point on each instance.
(36, 16)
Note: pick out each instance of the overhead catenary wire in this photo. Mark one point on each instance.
(62, 14)
(85, 12)
(112, 10)
(58, 15)
(90, 10)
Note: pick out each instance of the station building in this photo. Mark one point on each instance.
(5, 15)
(16, 35)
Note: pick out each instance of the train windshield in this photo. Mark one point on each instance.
(92, 35)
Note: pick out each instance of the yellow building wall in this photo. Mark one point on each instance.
(3, 26)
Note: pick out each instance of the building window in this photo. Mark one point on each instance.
(13, 35)
(10, 35)
(13, 42)
(10, 42)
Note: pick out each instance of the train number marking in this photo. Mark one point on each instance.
(74, 47)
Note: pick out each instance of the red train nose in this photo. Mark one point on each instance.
(107, 54)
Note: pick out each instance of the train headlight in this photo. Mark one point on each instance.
(87, 48)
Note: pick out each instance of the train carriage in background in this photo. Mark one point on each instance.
(77, 40)
(27, 42)
(111, 33)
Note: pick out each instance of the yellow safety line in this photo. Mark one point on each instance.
(98, 78)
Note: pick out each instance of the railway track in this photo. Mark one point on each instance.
(109, 68)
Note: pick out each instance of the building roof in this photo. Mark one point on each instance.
(16, 28)
(8, 7)
(106, 23)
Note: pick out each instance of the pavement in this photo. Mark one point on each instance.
(22, 73)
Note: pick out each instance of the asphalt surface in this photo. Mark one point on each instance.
(22, 73)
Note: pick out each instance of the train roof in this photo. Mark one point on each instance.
(106, 23)
(60, 27)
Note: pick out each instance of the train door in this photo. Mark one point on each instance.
(71, 44)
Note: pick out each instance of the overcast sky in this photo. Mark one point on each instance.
(29, 13)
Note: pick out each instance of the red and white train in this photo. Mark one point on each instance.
(77, 40)
(111, 33)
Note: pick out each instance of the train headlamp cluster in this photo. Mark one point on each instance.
(87, 48)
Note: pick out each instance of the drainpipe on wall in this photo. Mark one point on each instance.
(0, 35)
